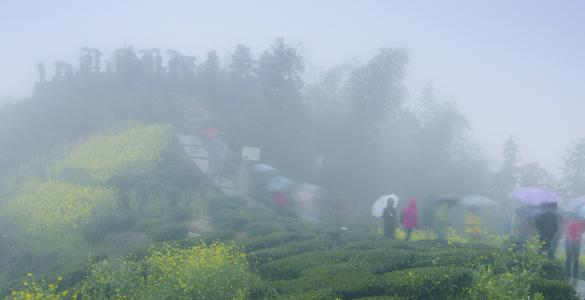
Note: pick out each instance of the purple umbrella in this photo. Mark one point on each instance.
(534, 196)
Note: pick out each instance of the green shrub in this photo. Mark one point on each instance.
(216, 271)
(265, 255)
(166, 232)
(107, 222)
(263, 228)
(552, 269)
(274, 239)
(220, 202)
(378, 243)
(428, 282)
(293, 266)
(325, 294)
(386, 259)
(455, 257)
(208, 238)
(346, 280)
(553, 289)
(382, 298)
(238, 218)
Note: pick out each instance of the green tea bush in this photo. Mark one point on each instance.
(346, 280)
(216, 271)
(386, 259)
(324, 294)
(553, 289)
(208, 238)
(552, 269)
(428, 282)
(239, 218)
(455, 257)
(274, 239)
(109, 221)
(166, 232)
(377, 243)
(265, 255)
(293, 266)
(263, 228)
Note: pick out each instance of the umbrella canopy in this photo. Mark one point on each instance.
(380, 204)
(477, 201)
(534, 196)
(262, 168)
(279, 183)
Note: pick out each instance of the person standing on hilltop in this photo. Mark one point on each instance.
(410, 217)
(42, 71)
(390, 219)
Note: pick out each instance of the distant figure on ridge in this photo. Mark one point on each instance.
(42, 71)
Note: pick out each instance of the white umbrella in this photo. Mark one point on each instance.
(380, 204)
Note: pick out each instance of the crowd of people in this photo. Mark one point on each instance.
(543, 221)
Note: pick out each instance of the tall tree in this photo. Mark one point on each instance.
(375, 91)
(574, 169)
(532, 174)
(243, 65)
(280, 72)
(507, 177)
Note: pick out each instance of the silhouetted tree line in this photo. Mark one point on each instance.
(354, 131)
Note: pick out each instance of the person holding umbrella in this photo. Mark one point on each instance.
(547, 225)
(385, 208)
(390, 219)
(573, 232)
(409, 217)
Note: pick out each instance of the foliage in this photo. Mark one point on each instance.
(55, 209)
(127, 148)
(32, 289)
(215, 271)
(574, 169)
(553, 289)
(346, 280)
(294, 266)
(238, 218)
(273, 239)
(428, 282)
(288, 249)
(166, 232)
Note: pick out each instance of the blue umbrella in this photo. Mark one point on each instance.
(279, 183)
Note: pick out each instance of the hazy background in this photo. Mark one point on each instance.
(513, 67)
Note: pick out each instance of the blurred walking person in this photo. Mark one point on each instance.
(410, 217)
(42, 71)
(547, 225)
(521, 228)
(390, 219)
(573, 231)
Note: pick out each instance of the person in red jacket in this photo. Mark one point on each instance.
(573, 231)
(410, 217)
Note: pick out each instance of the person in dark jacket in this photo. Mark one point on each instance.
(390, 219)
(547, 225)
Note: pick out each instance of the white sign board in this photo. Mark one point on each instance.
(250, 153)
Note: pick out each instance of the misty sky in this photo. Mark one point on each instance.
(513, 67)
